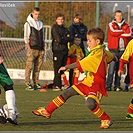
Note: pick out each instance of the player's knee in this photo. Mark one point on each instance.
(8, 87)
(68, 93)
(91, 103)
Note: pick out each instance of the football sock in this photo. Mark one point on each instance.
(100, 113)
(56, 103)
(64, 79)
(76, 76)
(130, 107)
(10, 99)
(75, 80)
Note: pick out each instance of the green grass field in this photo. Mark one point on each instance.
(72, 116)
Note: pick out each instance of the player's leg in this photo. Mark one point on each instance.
(92, 103)
(76, 76)
(130, 111)
(10, 97)
(66, 85)
(2, 117)
(55, 103)
(11, 100)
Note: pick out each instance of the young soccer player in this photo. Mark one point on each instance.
(10, 97)
(92, 85)
(127, 57)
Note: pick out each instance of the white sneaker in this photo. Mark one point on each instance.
(65, 87)
(118, 89)
(56, 88)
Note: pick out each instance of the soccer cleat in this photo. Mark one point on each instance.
(12, 118)
(105, 124)
(129, 116)
(42, 112)
(45, 86)
(3, 120)
(37, 87)
(29, 87)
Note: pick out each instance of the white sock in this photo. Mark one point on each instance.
(10, 99)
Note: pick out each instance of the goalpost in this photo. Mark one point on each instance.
(13, 51)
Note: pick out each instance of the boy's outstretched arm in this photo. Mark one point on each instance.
(71, 66)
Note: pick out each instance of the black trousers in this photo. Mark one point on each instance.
(127, 78)
(59, 60)
(71, 77)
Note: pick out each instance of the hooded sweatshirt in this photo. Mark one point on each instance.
(34, 33)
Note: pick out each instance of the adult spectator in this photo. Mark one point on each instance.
(77, 28)
(118, 37)
(34, 39)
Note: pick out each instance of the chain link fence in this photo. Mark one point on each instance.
(13, 51)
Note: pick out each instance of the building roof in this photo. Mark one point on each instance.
(4, 24)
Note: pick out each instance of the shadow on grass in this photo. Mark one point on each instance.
(58, 123)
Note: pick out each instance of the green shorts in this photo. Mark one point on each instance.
(4, 76)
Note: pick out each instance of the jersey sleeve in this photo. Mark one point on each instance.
(91, 62)
(128, 51)
(110, 56)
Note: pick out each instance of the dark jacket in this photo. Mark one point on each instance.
(34, 33)
(78, 30)
(36, 39)
(60, 38)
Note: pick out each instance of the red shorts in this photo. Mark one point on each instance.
(86, 91)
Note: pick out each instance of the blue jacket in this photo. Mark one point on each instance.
(78, 30)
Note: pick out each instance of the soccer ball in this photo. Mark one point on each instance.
(5, 112)
(7, 116)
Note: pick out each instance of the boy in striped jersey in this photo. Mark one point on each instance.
(92, 86)
(127, 57)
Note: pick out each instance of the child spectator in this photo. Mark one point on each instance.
(75, 54)
(60, 39)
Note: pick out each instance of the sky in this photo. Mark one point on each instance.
(8, 9)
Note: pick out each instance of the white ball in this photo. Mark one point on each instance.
(4, 111)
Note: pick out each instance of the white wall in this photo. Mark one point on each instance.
(44, 75)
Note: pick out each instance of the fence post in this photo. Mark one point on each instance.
(97, 13)
(36, 4)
